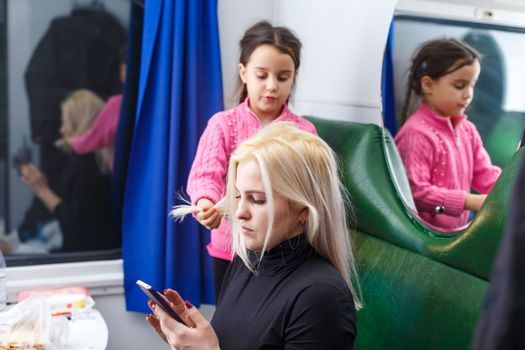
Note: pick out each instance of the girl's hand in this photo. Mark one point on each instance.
(474, 201)
(180, 336)
(208, 216)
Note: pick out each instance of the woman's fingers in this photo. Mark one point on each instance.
(178, 335)
(195, 316)
(177, 304)
(155, 323)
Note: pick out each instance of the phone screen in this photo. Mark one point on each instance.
(157, 299)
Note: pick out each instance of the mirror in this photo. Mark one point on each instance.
(60, 73)
(498, 107)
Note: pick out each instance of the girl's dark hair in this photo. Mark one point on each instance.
(282, 38)
(436, 58)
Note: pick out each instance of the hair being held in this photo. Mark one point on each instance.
(79, 111)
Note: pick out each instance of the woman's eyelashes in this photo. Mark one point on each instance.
(256, 199)
(252, 198)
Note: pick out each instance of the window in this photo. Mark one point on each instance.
(498, 108)
(60, 65)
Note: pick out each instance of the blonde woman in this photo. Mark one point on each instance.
(79, 198)
(290, 284)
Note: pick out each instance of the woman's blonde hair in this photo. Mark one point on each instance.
(303, 169)
(79, 110)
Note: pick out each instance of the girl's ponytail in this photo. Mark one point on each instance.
(408, 96)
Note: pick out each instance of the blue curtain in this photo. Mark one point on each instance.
(180, 87)
(126, 123)
(387, 84)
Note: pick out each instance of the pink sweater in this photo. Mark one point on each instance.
(444, 158)
(102, 132)
(207, 179)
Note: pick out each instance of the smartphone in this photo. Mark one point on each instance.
(21, 157)
(157, 298)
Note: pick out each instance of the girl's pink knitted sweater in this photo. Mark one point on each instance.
(207, 179)
(444, 158)
(103, 131)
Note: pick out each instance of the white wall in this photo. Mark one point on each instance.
(343, 42)
(235, 16)
(506, 12)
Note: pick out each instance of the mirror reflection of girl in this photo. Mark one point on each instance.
(79, 199)
(290, 285)
(441, 149)
(268, 67)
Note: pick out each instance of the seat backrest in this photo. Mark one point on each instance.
(421, 288)
(383, 213)
(397, 170)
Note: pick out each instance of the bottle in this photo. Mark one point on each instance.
(3, 287)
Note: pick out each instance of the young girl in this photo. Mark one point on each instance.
(270, 59)
(441, 149)
(292, 283)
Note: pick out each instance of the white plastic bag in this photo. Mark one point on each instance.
(29, 326)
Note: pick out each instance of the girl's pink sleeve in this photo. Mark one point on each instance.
(485, 173)
(208, 172)
(417, 154)
(102, 132)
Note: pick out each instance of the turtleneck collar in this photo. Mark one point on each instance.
(287, 255)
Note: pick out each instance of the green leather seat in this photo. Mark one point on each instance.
(421, 288)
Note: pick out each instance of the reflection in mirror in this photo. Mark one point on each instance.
(498, 107)
(64, 95)
(3, 118)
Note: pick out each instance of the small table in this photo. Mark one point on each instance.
(89, 332)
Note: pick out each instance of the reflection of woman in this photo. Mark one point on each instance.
(289, 285)
(80, 201)
(104, 129)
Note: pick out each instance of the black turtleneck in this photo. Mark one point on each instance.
(296, 300)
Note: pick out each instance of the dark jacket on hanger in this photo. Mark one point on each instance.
(77, 51)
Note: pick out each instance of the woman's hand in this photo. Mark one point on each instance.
(174, 300)
(196, 333)
(208, 216)
(36, 181)
(176, 303)
(33, 178)
(474, 201)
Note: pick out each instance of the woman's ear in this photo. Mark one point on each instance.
(427, 85)
(303, 215)
(242, 72)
